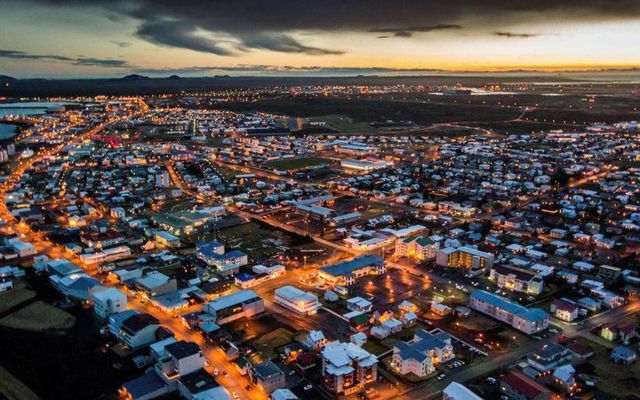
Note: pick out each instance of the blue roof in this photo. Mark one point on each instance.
(144, 385)
(347, 267)
(530, 314)
(244, 277)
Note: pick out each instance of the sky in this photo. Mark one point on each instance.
(95, 38)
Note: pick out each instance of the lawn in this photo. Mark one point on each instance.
(615, 380)
(12, 298)
(39, 316)
(292, 164)
(266, 344)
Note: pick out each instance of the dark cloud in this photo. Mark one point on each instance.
(21, 55)
(515, 35)
(80, 61)
(179, 34)
(409, 31)
(271, 25)
(282, 43)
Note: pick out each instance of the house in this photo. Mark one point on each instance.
(359, 339)
(421, 356)
(564, 377)
(315, 340)
(613, 331)
(359, 304)
(347, 368)
(580, 351)
(623, 355)
(268, 376)
(75, 286)
(548, 356)
(518, 386)
(457, 391)
(108, 301)
(564, 310)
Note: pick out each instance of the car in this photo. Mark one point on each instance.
(308, 387)
(216, 372)
(442, 376)
(492, 381)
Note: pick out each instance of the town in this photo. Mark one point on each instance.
(189, 251)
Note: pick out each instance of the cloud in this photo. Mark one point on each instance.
(79, 61)
(514, 35)
(282, 43)
(409, 31)
(122, 45)
(179, 34)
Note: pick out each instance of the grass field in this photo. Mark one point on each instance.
(12, 298)
(618, 381)
(39, 316)
(13, 388)
(296, 163)
(266, 344)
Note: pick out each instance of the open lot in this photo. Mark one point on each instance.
(266, 344)
(39, 316)
(13, 389)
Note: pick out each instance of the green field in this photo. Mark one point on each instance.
(296, 163)
(39, 316)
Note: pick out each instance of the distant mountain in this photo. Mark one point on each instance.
(4, 79)
(135, 77)
(174, 77)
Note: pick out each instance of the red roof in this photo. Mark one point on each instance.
(563, 305)
(579, 349)
(524, 385)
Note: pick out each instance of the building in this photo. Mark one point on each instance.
(183, 222)
(112, 254)
(365, 165)
(213, 253)
(422, 354)
(527, 320)
(474, 260)
(200, 385)
(135, 330)
(241, 304)
(417, 247)
(156, 284)
(108, 301)
(457, 391)
(516, 279)
(268, 376)
(181, 358)
(347, 368)
(294, 299)
(518, 386)
(77, 286)
(564, 310)
(345, 273)
(547, 357)
(623, 355)
(166, 239)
